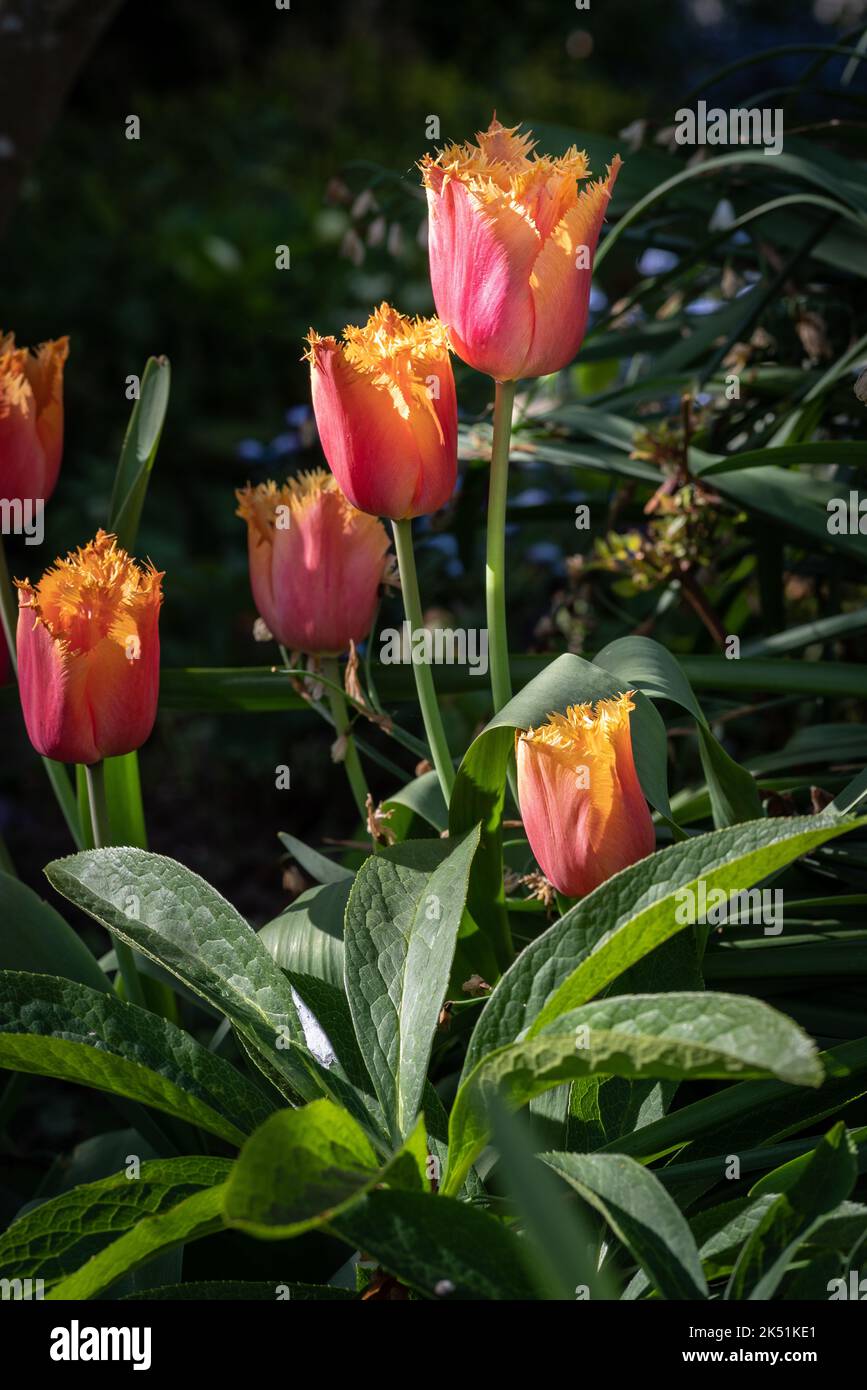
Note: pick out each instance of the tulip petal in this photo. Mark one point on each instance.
(560, 288)
(481, 256)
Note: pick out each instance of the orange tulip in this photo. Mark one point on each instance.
(315, 562)
(31, 418)
(89, 653)
(385, 405)
(581, 801)
(511, 244)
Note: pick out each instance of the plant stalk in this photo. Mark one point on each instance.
(95, 775)
(495, 561)
(340, 715)
(424, 684)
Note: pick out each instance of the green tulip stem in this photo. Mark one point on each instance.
(424, 684)
(340, 715)
(495, 560)
(126, 965)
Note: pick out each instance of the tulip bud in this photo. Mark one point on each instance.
(511, 245)
(31, 418)
(89, 654)
(581, 802)
(387, 414)
(315, 562)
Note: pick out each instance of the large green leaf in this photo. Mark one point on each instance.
(305, 1166)
(439, 1247)
(402, 924)
(196, 1216)
(641, 1214)
(675, 1036)
(180, 921)
(629, 916)
(54, 1027)
(791, 1217)
(55, 1238)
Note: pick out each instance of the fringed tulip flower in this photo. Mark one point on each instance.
(385, 405)
(512, 241)
(31, 418)
(89, 654)
(581, 802)
(315, 562)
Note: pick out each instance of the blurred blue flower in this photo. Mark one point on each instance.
(656, 261)
(546, 554)
(706, 304)
(282, 444)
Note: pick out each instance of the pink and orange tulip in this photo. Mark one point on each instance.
(31, 418)
(316, 563)
(512, 242)
(581, 802)
(89, 654)
(384, 400)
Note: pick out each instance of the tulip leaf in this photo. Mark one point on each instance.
(318, 866)
(181, 922)
(631, 914)
(303, 1167)
(33, 936)
(825, 1182)
(752, 1112)
(422, 797)
(673, 1036)
(307, 937)
(650, 667)
(58, 1236)
(440, 1247)
(402, 923)
(196, 1216)
(479, 790)
(641, 1214)
(139, 452)
(53, 1027)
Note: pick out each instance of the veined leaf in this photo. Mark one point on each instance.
(641, 1214)
(53, 1027)
(631, 914)
(676, 1036)
(402, 924)
(197, 1216)
(55, 1238)
(303, 1167)
(181, 922)
(441, 1248)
